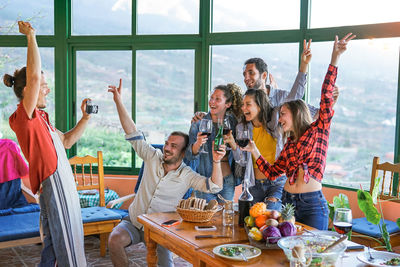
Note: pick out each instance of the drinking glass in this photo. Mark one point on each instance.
(205, 128)
(243, 139)
(343, 220)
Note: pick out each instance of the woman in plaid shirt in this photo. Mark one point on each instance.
(304, 154)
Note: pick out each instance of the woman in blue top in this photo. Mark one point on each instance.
(225, 103)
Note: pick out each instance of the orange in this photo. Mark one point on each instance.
(260, 220)
(257, 209)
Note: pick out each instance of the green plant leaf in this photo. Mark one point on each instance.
(386, 237)
(331, 211)
(398, 222)
(375, 191)
(366, 205)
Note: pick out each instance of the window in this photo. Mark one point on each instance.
(39, 13)
(107, 17)
(336, 13)
(95, 71)
(282, 61)
(164, 92)
(365, 116)
(12, 58)
(168, 17)
(255, 15)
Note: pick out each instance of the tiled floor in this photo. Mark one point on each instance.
(29, 256)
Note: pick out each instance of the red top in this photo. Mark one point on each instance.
(310, 151)
(36, 143)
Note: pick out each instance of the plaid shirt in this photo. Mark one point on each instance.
(311, 149)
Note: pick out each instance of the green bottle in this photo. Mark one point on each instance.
(219, 140)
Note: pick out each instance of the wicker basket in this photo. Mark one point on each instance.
(196, 215)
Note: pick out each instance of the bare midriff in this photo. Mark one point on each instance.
(300, 186)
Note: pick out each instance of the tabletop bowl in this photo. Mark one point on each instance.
(313, 244)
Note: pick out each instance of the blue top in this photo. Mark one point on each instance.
(202, 162)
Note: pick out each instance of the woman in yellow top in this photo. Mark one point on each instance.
(261, 120)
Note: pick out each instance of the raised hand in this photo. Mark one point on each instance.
(116, 91)
(218, 154)
(85, 115)
(335, 94)
(305, 56)
(339, 46)
(25, 28)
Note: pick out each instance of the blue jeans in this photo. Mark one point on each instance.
(228, 190)
(311, 208)
(264, 189)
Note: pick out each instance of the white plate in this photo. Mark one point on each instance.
(380, 258)
(250, 252)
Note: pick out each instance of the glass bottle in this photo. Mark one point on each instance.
(228, 214)
(219, 139)
(245, 200)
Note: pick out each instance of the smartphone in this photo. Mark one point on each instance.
(205, 228)
(170, 223)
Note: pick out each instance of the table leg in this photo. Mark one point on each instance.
(151, 249)
(103, 244)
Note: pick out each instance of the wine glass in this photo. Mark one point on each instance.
(343, 220)
(243, 139)
(205, 128)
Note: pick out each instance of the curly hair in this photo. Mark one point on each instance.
(233, 94)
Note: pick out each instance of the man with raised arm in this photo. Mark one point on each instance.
(50, 173)
(165, 181)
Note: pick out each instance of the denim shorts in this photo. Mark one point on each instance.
(228, 190)
(311, 208)
(264, 189)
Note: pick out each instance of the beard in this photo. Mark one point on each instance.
(257, 84)
(172, 160)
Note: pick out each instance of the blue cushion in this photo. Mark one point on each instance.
(362, 226)
(26, 209)
(123, 213)
(5, 212)
(97, 214)
(18, 226)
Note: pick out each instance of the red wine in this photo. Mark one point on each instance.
(208, 134)
(243, 142)
(342, 227)
(225, 131)
(244, 207)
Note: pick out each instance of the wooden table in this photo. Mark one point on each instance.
(180, 239)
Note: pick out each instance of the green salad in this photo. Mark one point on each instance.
(231, 251)
(393, 262)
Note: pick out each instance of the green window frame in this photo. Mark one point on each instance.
(66, 46)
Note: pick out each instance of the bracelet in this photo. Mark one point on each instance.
(216, 161)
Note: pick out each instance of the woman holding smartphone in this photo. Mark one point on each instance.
(303, 157)
(225, 102)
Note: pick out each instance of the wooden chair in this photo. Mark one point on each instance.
(106, 219)
(386, 194)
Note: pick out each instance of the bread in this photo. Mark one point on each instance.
(193, 203)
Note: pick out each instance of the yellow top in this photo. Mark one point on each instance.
(265, 143)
